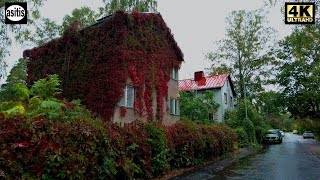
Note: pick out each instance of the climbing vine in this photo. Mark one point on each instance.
(95, 63)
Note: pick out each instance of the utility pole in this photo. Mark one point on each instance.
(245, 96)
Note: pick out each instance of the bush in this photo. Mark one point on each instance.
(159, 148)
(243, 139)
(85, 147)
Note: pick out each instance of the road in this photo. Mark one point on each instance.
(295, 158)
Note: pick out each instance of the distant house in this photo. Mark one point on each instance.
(221, 85)
(123, 68)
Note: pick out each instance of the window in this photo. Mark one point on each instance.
(231, 102)
(225, 98)
(174, 106)
(128, 98)
(210, 116)
(174, 74)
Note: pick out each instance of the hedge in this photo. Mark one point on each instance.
(86, 148)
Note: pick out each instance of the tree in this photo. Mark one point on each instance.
(47, 29)
(130, 5)
(83, 16)
(15, 82)
(222, 69)
(197, 107)
(299, 71)
(244, 49)
(18, 73)
(7, 30)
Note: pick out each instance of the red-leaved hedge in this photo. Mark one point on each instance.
(86, 148)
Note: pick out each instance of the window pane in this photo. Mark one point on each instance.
(121, 102)
(176, 74)
(177, 107)
(130, 96)
(172, 106)
(210, 116)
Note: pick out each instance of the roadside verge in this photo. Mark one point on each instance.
(208, 169)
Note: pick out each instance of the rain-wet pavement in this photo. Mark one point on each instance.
(295, 158)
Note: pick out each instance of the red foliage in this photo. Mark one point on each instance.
(123, 111)
(95, 63)
(84, 148)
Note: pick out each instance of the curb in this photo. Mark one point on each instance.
(208, 171)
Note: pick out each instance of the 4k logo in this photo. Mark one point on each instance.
(299, 13)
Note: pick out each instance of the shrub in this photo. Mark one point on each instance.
(243, 140)
(159, 148)
(80, 147)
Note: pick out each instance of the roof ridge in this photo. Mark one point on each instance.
(192, 79)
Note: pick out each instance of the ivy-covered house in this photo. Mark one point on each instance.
(222, 87)
(123, 68)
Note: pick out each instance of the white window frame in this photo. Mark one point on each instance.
(124, 100)
(175, 74)
(175, 109)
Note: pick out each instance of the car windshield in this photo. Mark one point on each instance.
(271, 132)
(308, 132)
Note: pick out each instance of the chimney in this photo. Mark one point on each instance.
(199, 78)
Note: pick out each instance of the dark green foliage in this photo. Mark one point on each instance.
(243, 140)
(298, 72)
(197, 106)
(159, 148)
(254, 126)
(45, 88)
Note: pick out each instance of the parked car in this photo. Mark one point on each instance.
(282, 133)
(308, 134)
(273, 135)
(295, 131)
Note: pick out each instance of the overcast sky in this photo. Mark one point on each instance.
(196, 25)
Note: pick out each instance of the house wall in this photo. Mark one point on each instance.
(219, 115)
(224, 107)
(173, 91)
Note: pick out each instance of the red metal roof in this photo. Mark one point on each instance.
(212, 82)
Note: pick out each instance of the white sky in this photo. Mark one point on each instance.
(196, 25)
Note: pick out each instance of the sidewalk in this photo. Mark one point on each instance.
(208, 171)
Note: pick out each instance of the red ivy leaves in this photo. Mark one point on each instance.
(94, 64)
(123, 111)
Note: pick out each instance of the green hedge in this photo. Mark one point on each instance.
(86, 148)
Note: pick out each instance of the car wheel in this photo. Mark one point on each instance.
(303, 137)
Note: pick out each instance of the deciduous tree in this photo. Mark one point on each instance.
(130, 5)
(244, 49)
(299, 71)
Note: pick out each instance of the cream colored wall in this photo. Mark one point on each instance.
(173, 91)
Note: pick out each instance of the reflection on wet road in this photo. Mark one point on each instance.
(295, 158)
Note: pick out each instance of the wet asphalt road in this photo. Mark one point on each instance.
(295, 159)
